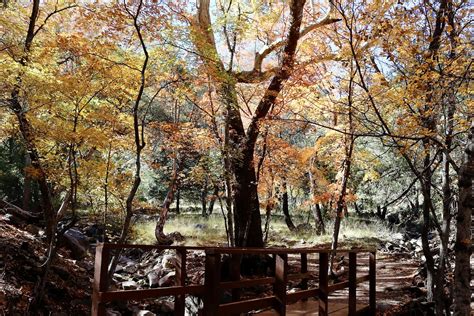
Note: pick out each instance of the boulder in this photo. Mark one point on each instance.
(77, 242)
(167, 280)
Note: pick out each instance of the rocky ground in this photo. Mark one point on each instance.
(400, 286)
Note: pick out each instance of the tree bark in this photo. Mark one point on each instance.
(464, 222)
(285, 208)
(165, 207)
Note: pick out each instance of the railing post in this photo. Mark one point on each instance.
(323, 283)
(372, 276)
(102, 258)
(352, 283)
(281, 280)
(179, 300)
(304, 269)
(212, 279)
(235, 262)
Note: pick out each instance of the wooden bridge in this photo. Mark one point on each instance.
(213, 288)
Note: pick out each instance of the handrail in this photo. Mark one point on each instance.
(211, 291)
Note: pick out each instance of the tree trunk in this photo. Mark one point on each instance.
(464, 218)
(247, 221)
(315, 208)
(426, 192)
(212, 201)
(285, 208)
(27, 185)
(204, 199)
(165, 207)
(178, 200)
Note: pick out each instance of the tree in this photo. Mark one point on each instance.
(248, 231)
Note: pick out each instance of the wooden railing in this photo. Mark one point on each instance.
(213, 287)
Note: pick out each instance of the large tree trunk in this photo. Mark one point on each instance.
(247, 221)
(463, 246)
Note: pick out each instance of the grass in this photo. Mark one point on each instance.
(202, 231)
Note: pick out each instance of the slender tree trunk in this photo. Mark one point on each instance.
(464, 220)
(204, 199)
(138, 132)
(160, 225)
(27, 185)
(178, 200)
(426, 192)
(315, 208)
(346, 170)
(212, 201)
(284, 206)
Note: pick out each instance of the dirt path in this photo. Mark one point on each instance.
(396, 275)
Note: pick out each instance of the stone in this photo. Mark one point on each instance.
(144, 313)
(154, 277)
(167, 280)
(32, 229)
(77, 242)
(129, 285)
(111, 312)
(166, 306)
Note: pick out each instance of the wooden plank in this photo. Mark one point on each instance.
(281, 280)
(151, 293)
(179, 300)
(301, 295)
(246, 283)
(372, 284)
(102, 259)
(238, 250)
(323, 283)
(345, 284)
(352, 283)
(235, 263)
(304, 271)
(300, 276)
(247, 305)
(212, 279)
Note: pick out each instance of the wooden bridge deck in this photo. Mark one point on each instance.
(311, 307)
(312, 298)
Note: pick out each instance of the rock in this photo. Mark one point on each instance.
(167, 280)
(95, 231)
(154, 277)
(111, 312)
(192, 305)
(129, 285)
(200, 226)
(166, 306)
(32, 229)
(144, 313)
(77, 242)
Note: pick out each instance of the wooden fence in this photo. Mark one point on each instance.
(213, 287)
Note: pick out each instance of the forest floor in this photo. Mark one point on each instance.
(69, 286)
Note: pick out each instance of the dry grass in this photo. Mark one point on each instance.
(211, 231)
